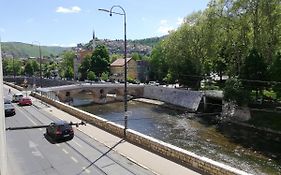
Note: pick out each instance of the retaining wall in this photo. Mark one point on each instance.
(178, 155)
(184, 98)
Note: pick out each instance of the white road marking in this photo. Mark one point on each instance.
(77, 143)
(76, 161)
(86, 170)
(66, 152)
(35, 151)
(58, 145)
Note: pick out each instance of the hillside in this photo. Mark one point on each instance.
(143, 46)
(23, 50)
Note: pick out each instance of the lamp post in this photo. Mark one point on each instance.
(40, 61)
(125, 61)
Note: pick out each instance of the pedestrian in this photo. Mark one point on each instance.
(9, 91)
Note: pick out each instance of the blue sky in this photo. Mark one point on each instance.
(68, 22)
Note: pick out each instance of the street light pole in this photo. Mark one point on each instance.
(40, 61)
(125, 61)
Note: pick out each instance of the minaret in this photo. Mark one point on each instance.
(94, 40)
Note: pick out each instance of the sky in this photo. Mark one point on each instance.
(69, 22)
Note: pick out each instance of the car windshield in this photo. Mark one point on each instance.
(65, 127)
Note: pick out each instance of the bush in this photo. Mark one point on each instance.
(235, 92)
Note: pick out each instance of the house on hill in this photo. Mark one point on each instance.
(118, 66)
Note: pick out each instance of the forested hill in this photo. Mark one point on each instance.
(23, 50)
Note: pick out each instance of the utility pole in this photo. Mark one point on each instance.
(3, 153)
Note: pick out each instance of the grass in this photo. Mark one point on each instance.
(271, 120)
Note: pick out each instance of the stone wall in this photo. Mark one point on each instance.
(184, 98)
(178, 155)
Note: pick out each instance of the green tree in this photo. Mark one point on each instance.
(235, 92)
(254, 72)
(85, 67)
(100, 60)
(66, 65)
(91, 76)
(28, 68)
(275, 72)
(104, 76)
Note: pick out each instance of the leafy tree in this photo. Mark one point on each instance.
(28, 68)
(91, 76)
(85, 67)
(104, 76)
(66, 66)
(136, 56)
(235, 92)
(100, 60)
(11, 66)
(254, 71)
(275, 72)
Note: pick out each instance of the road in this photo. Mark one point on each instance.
(29, 153)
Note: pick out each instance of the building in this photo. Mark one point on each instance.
(117, 69)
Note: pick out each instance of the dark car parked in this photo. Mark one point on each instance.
(9, 109)
(60, 131)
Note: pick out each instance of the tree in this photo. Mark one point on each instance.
(275, 72)
(28, 68)
(91, 76)
(85, 67)
(235, 92)
(254, 72)
(100, 60)
(66, 66)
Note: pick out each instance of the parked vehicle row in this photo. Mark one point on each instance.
(16, 98)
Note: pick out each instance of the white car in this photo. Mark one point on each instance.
(17, 97)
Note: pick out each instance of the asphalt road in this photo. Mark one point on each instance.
(30, 153)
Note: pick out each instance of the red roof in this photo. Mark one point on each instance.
(120, 62)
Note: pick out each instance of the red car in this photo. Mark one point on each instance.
(25, 101)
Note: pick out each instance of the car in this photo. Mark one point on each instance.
(7, 101)
(9, 110)
(60, 131)
(25, 101)
(16, 97)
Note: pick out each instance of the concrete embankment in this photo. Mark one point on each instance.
(178, 155)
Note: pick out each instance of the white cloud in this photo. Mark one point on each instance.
(164, 27)
(74, 9)
(163, 22)
(180, 21)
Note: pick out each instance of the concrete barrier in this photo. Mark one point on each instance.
(173, 153)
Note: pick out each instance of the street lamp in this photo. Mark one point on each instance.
(125, 60)
(40, 62)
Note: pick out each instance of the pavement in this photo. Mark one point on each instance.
(142, 157)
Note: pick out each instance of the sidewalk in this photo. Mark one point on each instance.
(153, 162)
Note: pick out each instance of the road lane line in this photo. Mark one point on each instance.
(75, 160)
(86, 170)
(77, 143)
(66, 152)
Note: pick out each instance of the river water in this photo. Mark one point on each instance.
(185, 131)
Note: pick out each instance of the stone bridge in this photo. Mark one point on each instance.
(108, 92)
(98, 93)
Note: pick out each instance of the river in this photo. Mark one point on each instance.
(184, 130)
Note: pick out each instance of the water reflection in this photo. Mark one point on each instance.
(185, 131)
